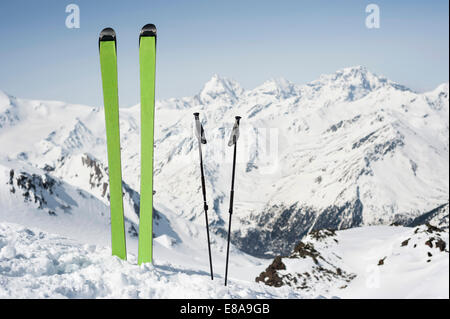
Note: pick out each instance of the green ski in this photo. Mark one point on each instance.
(147, 58)
(108, 63)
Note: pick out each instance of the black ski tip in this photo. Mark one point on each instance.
(148, 30)
(238, 118)
(107, 34)
(196, 114)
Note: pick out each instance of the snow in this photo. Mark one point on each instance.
(35, 264)
(405, 273)
(84, 216)
(220, 90)
(411, 267)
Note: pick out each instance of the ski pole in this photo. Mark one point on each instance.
(199, 132)
(233, 141)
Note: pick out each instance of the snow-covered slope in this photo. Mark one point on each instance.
(35, 264)
(437, 217)
(367, 262)
(349, 149)
(33, 197)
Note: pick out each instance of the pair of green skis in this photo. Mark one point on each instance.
(108, 62)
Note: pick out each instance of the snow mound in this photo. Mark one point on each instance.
(35, 264)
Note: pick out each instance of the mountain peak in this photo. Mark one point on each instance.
(438, 98)
(5, 101)
(357, 73)
(353, 83)
(279, 87)
(354, 69)
(361, 76)
(442, 88)
(220, 88)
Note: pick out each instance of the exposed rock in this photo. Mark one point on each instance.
(429, 242)
(305, 250)
(322, 271)
(405, 242)
(322, 233)
(280, 227)
(438, 217)
(381, 261)
(270, 276)
(440, 244)
(96, 175)
(432, 229)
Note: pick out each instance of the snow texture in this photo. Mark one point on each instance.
(35, 264)
(367, 262)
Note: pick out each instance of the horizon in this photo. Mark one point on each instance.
(303, 41)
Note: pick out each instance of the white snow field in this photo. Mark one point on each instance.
(370, 262)
(35, 264)
(349, 150)
(414, 270)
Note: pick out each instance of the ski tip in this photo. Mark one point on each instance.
(148, 30)
(238, 118)
(107, 34)
(196, 114)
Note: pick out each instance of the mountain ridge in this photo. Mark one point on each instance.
(346, 150)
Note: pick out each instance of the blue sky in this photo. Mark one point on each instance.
(249, 41)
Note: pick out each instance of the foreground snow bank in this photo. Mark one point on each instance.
(35, 264)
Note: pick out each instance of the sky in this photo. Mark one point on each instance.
(249, 41)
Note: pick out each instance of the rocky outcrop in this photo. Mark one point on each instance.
(306, 267)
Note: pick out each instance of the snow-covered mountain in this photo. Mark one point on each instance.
(349, 149)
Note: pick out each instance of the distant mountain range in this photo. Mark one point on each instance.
(349, 149)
